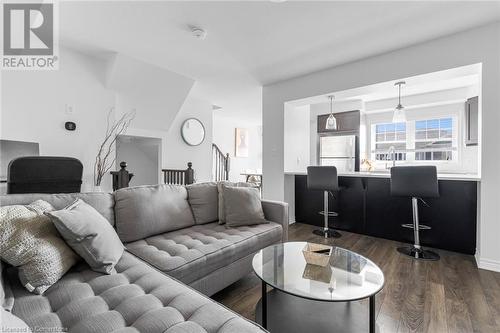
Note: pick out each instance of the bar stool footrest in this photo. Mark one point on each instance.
(331, 214)
(420, 227)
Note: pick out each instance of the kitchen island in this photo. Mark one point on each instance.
(366, 206)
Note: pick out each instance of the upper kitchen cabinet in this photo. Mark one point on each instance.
(471, 121)
(346, 122)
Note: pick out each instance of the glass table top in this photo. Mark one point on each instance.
(345, 276)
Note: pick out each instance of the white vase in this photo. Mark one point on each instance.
(97, 188)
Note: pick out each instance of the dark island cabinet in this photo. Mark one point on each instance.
(350, 200)
(365, 206)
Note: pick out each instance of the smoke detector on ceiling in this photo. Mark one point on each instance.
(198, 33)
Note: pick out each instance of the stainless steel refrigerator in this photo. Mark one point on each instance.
(339, 151)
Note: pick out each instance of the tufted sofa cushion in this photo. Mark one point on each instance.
(137, 299)
(191, 253)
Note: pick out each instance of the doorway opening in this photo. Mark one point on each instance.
(143, 157)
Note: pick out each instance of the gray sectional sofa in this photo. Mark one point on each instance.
(171, 265)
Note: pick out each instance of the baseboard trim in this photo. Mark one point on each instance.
(488, 264)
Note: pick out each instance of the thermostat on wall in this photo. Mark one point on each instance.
(70, 126)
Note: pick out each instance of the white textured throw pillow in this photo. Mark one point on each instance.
(29, 241)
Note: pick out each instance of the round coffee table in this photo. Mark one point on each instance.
(308, 297)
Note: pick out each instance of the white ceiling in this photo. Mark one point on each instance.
(253, 43)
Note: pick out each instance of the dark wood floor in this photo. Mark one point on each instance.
(450, 295)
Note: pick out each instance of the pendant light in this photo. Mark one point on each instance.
(331, 121)
(399, 113)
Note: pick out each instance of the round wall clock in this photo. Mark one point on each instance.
(193, 132)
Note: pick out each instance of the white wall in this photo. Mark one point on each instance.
(156, 93)
(480, 45)
(163, 101)
(223, 136)
(177, 153)
(34, 109)
(34, 104)
(297, 138)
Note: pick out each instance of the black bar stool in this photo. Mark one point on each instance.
(324, 178)
(416, 182)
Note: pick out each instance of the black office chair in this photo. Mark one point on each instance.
(44, 174)
(324, 178)
(416, 182)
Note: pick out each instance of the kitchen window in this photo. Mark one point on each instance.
(433, 140)
(387, 137)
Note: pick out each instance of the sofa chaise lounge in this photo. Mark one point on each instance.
(170, 266)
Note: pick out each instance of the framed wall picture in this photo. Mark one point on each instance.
(241, 142)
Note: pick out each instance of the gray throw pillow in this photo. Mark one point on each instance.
(220, 185)
(29, 241)
(203, 199)
(90, 235)
(145, 211)
(242, 206)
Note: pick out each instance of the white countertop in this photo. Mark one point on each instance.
(381, 174)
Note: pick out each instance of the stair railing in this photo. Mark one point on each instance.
(220, 164)
(122, 177)
(179, 177)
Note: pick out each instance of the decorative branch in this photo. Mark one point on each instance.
(103, 163)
